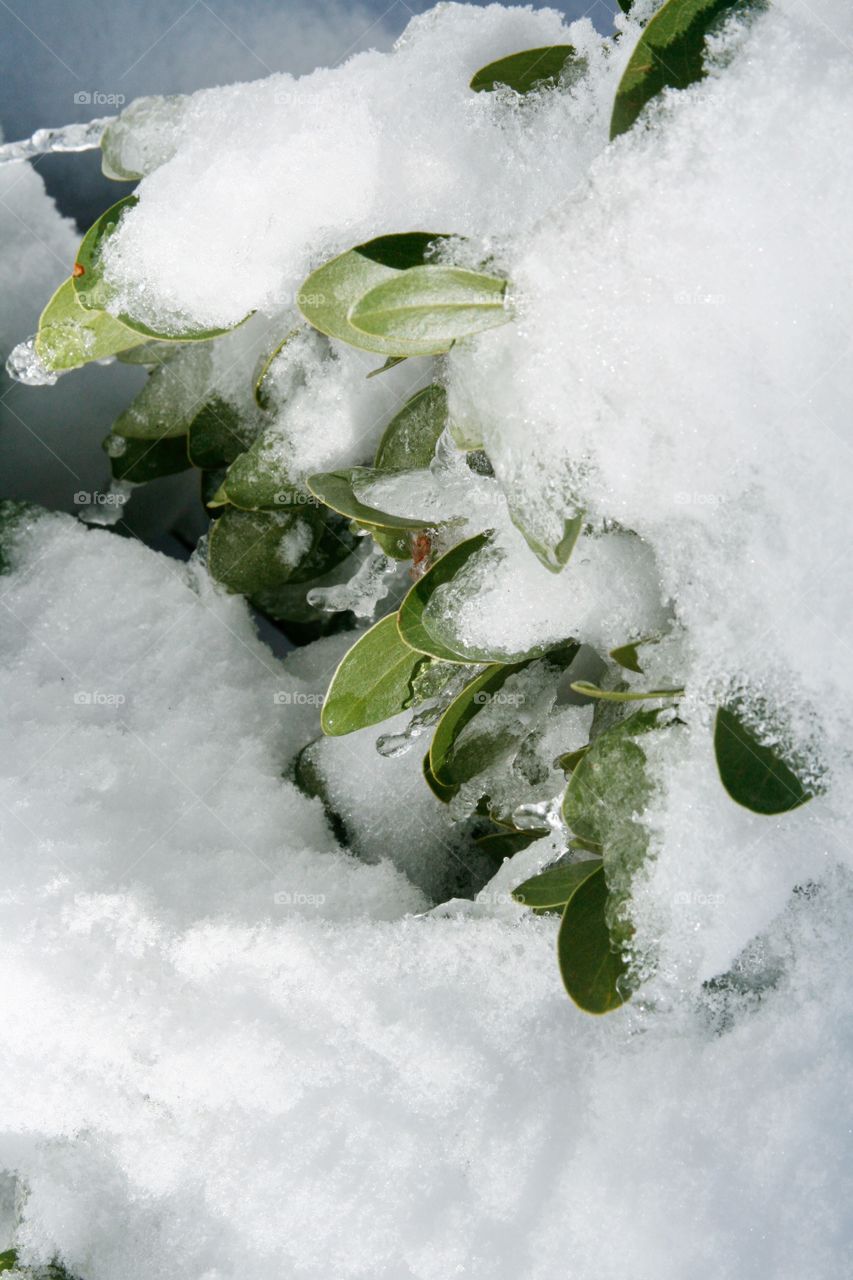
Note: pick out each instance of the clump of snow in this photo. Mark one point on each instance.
(388, 142)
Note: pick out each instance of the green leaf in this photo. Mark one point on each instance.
(531, 69)
(627, 655)
(570, 761)
(609, 786)
(218, 434)
(670, 54)
(409, 440)
(442, 793)
(622, 695)
(8, 1260)
(255, 552)
(591, 969)
(335, 489)
(554, 557)
(410, 618)
(372, 683)
(170, 398)
(139, 461)
(153, 352)
(390, 363)
(93, 292)
(464, 707)
(258, 478)
(554, 887)
(505, 844)
(753, 774)
(454, 762)
(329, 293)
(431, 307)
(69, 336)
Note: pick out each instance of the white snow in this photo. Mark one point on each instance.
(234, 1049)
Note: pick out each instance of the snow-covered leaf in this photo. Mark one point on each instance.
(530, 69)
(753, 774)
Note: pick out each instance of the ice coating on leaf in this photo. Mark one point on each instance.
(504, 600)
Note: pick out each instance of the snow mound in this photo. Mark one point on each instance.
(232, 1050)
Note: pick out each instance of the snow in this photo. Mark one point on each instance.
(237, 1048)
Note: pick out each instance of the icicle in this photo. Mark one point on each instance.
(537, 817)
(105, 508)
(369, 584)
(392, 745)
(66, 137)
(25, 365)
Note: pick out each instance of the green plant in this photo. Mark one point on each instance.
(279, 540)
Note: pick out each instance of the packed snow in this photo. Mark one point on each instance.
(244, 1041)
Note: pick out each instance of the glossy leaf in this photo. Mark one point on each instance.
(372, 683)
(140, 461)
(591, 969)
(255, 552)
(554, 887)
(554, 557)
(670, 54)
(330, 292)
(753, 774)
(609, 787)
(505, 844)
(390, 363)
(335, 489)
(171, 397)
(69, 336)
(622, 695)
(431, 307)
(627, 656)
(454, 762)
(218, 434)
(409, 440)
(530, 69)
